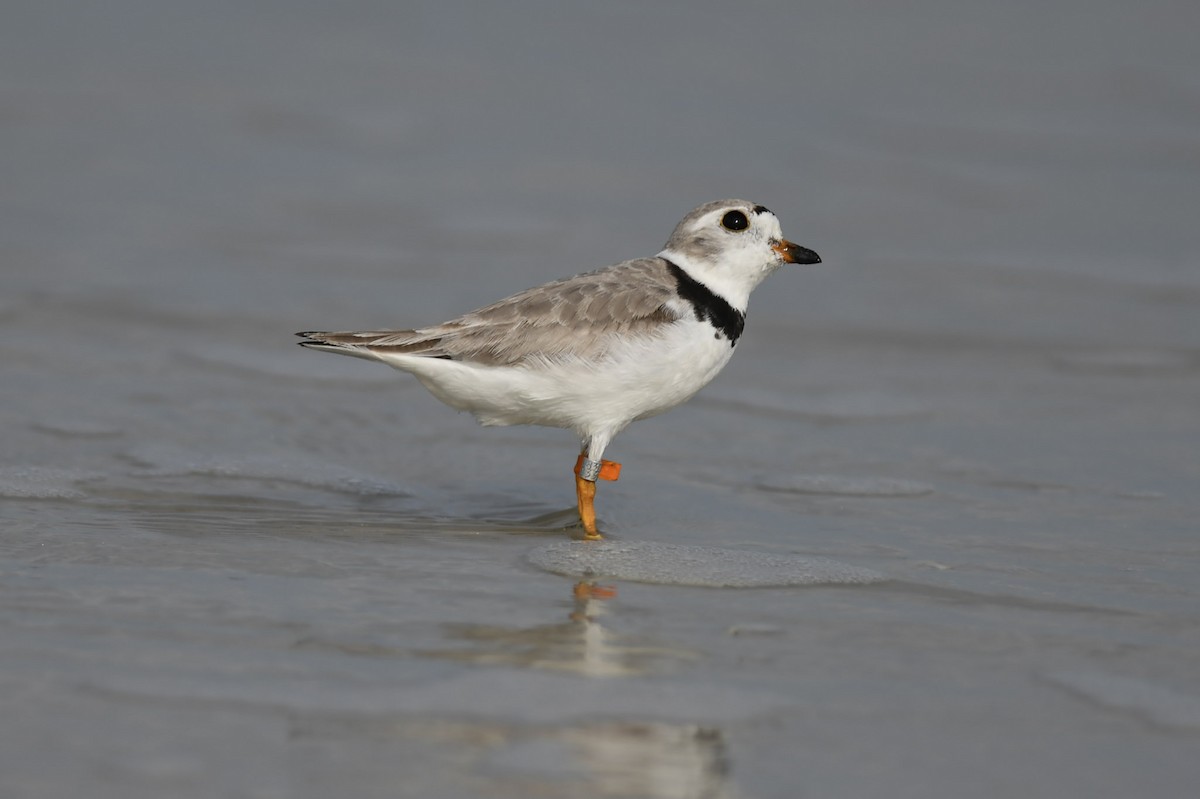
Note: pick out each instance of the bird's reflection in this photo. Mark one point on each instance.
(654, 760)
(660, 761)
(605, 758)
(581, 644)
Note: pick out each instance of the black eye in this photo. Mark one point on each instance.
(735, 220)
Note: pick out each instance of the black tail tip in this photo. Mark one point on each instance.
(313, 338)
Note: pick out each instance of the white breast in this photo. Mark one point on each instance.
(637, 378)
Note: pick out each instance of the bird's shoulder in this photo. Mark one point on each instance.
(613, 296)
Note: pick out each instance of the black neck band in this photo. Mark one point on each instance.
(708, 306)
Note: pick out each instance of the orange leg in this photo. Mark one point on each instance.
(585, 494)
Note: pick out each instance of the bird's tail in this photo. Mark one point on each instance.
(341, 343)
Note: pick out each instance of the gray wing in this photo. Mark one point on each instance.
(580, 316)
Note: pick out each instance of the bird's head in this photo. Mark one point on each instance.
(731, 246)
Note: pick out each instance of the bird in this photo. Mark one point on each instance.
(594, 352)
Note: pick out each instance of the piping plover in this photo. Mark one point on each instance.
(594, 352)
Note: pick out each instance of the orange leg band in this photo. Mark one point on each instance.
(609, 470)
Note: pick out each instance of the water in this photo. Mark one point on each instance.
(232, 567)
(671, 564)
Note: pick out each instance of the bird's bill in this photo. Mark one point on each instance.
(794, 253)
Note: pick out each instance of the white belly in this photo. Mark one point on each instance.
(640, 377)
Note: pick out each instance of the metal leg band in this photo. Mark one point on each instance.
(589, 470)
(592, 471)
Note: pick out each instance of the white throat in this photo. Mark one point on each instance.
(733, 288)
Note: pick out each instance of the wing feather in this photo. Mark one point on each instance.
(579, 316)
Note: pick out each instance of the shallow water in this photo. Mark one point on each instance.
(232, 567)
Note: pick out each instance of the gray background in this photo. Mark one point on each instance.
(230, 567)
